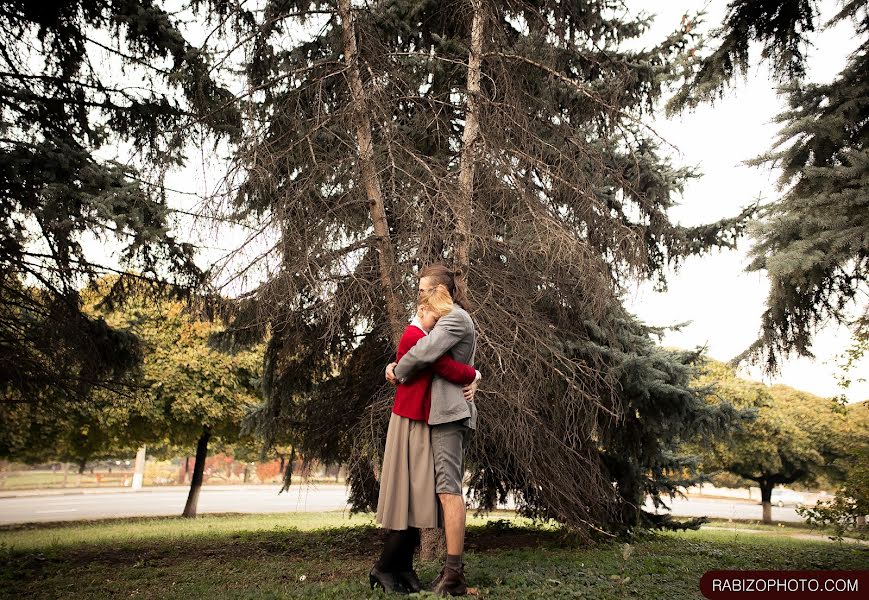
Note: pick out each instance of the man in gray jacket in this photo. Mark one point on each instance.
(452, 418)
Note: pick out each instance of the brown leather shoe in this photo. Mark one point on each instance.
(431, 587)
(450, 582)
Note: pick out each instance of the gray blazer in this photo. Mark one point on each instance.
(454, 333)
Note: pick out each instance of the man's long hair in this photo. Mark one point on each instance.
(441, 275)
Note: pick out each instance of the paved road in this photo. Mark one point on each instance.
(727, 509)
(265, 499)
(259, 499)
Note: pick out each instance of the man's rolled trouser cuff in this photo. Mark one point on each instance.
(449, 441)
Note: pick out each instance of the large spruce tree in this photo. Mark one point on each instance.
(813, 240)
(506, 139)
(78, 78)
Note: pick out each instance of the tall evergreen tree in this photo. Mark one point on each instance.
(813, 241)
(76, 77)
(505, 139)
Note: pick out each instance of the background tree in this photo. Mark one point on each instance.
(848, 509)
(795, 436)
(194, 395)
(61, 114)
(109, 422)
(569, 199)
(856, 484)
(106, 426)
(812, 240)
(184, 395)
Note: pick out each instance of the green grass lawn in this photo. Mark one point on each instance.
(327, 555)
(783, 528)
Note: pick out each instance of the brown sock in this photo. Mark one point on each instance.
(454, 562)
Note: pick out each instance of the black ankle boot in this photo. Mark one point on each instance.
(410, 580)
(386, 580)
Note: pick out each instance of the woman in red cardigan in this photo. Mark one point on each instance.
(407, 499)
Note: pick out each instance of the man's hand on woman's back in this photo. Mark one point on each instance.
(468, 391)
(390, 373)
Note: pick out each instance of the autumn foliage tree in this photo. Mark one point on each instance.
(192, 394)
(849, 507)
(794, 436)
(183, 396)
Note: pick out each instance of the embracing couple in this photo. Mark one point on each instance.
(432, 419)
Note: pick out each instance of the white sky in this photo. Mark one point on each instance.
(722, 301)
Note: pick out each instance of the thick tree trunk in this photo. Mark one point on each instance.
(766, 500)
(433, 544)
(81, 467)
(469, 142)
(283, 460)
(861, 522)
(767, 512)
(370, 178)
(198, 469)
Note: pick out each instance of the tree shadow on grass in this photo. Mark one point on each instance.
(505, 561)
(353, 542)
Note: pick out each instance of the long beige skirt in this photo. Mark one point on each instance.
(407, 485)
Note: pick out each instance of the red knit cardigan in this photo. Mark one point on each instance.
(413, 398)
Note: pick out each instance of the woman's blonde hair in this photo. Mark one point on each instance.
(437, 300)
